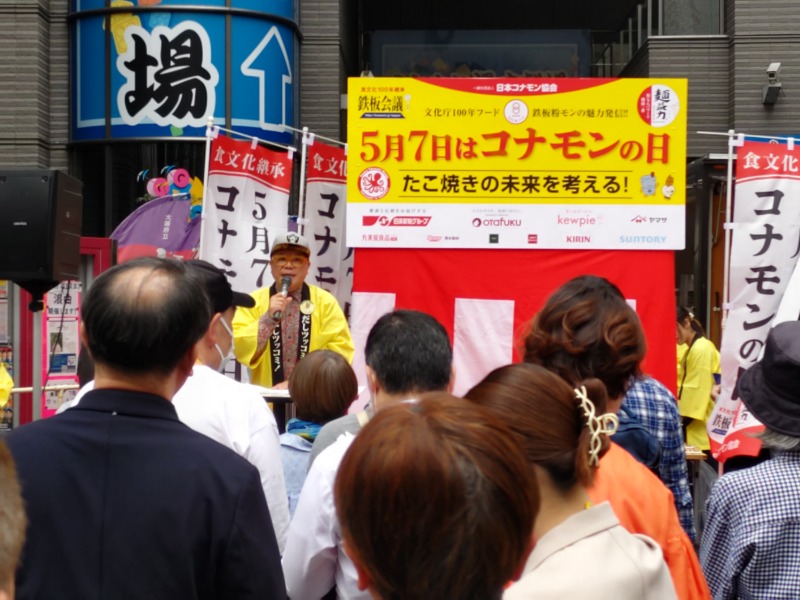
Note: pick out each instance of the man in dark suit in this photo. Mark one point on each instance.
(123, 500)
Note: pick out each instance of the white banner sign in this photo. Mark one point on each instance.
(326, 203)
(246, 205)
(764, 252)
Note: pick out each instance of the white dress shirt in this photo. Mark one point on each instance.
(314, 559)
(237, 416)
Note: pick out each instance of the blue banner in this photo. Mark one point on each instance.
(167, 70)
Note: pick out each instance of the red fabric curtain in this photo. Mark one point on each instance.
(431, 280)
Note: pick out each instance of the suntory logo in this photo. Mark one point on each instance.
(642, 239)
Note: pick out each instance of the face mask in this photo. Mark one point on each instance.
(224, 358)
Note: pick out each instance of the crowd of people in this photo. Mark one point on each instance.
(562, 476)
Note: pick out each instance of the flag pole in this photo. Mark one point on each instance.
(734, 141)
(211, 133)
(301, 208)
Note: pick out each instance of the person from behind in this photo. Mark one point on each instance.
(232, 413)
(290, 318)
(407, 353)
(562, 432)
(124, 500)
(696, 370)
(387, 377)
(321, 386)
(12, 523)
(751, 543)
(436, 501)
(587, 330)
(654, 408)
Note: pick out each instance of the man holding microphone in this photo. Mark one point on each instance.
(290, 318)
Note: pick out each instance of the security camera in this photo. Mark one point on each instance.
(772, 70)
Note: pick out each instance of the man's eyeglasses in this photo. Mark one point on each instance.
(295, 261)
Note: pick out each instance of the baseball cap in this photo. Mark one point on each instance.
(290, 241)
(219, 291)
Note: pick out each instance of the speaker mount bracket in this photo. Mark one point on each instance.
(37, 289)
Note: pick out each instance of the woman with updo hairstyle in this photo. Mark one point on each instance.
(435, 501)
(587, 330)
(581, 551)
(698, 361)
(322, 386)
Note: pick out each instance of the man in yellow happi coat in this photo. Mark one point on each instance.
(290, 318)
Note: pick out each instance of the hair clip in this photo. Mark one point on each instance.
(605, 424)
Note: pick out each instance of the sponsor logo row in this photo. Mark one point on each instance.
(501, 222)
(533, 238)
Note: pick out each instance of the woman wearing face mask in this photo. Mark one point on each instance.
(232, 413)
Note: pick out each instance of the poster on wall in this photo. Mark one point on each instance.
(516, 163)
(60, 343)
(6, 362)
(4, 322)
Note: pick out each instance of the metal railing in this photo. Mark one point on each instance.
(656, 18)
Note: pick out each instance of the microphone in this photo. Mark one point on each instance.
(286, 281)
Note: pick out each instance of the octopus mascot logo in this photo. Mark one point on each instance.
(373, 183)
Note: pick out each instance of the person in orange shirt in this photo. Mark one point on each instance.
(585, 330)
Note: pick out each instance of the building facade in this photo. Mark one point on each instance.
(723, 47)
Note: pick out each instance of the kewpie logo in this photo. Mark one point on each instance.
(576, 220)
(384, 221)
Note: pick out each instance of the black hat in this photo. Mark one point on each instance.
(769, 389)
(218, 289)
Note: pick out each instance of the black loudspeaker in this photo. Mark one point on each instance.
(40, 228)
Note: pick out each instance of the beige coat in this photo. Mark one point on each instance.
(591, 556)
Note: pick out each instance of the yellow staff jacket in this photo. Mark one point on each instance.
(696, 370)
(329, 331)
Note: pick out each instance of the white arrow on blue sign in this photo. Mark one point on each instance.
(266, 64)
